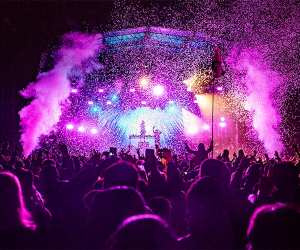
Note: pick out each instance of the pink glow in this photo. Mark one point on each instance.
(94, 131)
(69, 126)
(81, 129)
(222, 124)
(74, 91)
(205, 127)
(100, 90)
(192, 129)
(261, 82)
(90, 102)
(191, 122)
(52, 88)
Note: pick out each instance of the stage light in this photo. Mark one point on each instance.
(143, 102)
(74, 91)
(100, 90)
(192, 129)
(222, 124)
(144, 82)
(95, 109)
(158, 90)
(69, 126)
(81, 129)
(108, 102)
(219, 88)
(190, 82)
(205, 127)
(132, 90)
(90, 102)
(222, 119)
(94, 131)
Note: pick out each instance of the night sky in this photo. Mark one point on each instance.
(29, 29)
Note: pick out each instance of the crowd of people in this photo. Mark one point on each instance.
(113, 200)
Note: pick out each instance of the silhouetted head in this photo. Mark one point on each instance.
(109, 207)
(201, 147)
(241, 153)
(208, 213)
(284, 174)
(121, 173)
(204, 196)
(146, 231)
(216, 169)
(225, 154)
(161, 206)
(274, 227)
(63, 149)
(253, 171)
(13, 213)
(49, 171)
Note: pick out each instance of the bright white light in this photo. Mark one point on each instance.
(192, 129)
(108, 102)
(143, 102)
(69, 126)
(219, 88)
(90, 102)
(247, 106)
(132, 90)
(100, 90)
(190, 82)
(222, 124)
(158, 90)
(144, 82)
(205, 127)
(94, 131)
(74, 91)
(222, 119)
(81, 129)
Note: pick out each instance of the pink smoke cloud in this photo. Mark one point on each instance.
(52, 88)
(261, 82)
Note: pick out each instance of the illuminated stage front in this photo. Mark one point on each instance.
(149, 74)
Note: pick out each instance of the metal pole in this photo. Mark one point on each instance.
(212, 116)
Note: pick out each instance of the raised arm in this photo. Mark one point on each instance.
(210, 148)
(189, 150)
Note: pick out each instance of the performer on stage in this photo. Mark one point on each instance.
(156, 134)
(143, 130)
